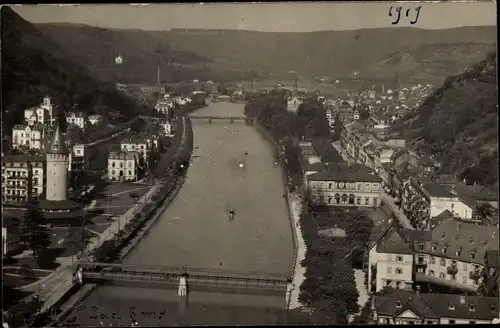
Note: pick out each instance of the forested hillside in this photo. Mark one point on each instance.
(459, 120)
(236, 55)
(96, 48)
(33, 66)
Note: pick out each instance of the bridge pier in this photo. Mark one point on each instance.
(231, 120)
(209, 120)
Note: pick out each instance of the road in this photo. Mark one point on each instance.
(387, 199)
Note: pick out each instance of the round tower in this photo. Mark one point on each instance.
(57, 168)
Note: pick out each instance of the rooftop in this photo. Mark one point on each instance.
(22, 159)
(58, 144)
(122, 155)
(435, 306)
(436, 190)
(459, 239)
(344, 174)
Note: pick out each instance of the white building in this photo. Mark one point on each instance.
(164, 106)
(452, 255)
(28, 136)
(42, 114)
(57, 168)
(77, 119)
(122, 166)
(139, 145)
(293, 104)
(167, 129)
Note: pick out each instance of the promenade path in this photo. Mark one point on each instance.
(299, 270)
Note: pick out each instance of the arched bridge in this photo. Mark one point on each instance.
(231, 119)
(195, 277)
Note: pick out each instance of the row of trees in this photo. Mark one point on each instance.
(270, 110)
(329, 281)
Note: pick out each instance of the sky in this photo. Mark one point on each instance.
(267, 17)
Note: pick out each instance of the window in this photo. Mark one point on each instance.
(129, 172)
(399, 258)
(398, 304)
(431, 273)
(113, 164)
(421, 247)
(358, 200)
(451, 307)
(434, 248)
(358, 186)
(458, 252)
(472, 307)
(420, 259)
(121, 165)
(399, 271)
(472, 322)
(375, 200)
(442, 275)
(451, 322)
(433, 260)
(444, 249)
(367, 200)
(442, 262)
(389, 270)
(472, 255)
(465, 266)
(129, 164)
(464, 279)
(429, 322)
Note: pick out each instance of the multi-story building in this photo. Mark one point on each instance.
(122, 165)
(23, 177)
(167, 129)
(165, 107)
(77, 119)
(403, 307)
(344, 112)
(42, 114)
(139, 145)
(345, 186)
(28, 136)
(451, 255)
(424, 200)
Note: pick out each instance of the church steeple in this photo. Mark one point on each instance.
(158, 73)
(58, 145)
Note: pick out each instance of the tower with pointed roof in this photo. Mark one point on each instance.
(57, 168)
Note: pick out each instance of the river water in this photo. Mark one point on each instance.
(195, 230)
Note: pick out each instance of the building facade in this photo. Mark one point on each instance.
(141, 146)
(30, 136)
(452, 255)
(345, 187)
(23, 177)
(11, 241)
(77, 119)
(293, 104)
(122, 165)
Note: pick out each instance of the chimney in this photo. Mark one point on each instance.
(417, 291)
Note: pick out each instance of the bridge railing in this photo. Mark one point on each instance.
(150, 269)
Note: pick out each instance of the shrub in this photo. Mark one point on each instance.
(105, 252)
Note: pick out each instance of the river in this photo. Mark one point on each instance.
(195, 230)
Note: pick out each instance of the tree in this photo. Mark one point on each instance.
(80, 238)
(74, 134)
(34, 232)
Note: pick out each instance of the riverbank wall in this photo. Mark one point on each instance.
(286, 190)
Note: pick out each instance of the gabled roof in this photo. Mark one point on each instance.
(393, 243)
(466, 237)
(434, 306)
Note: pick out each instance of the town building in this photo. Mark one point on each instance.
(452, 254)
(122, 165)
(141, 146)
(77, 119)
(43, 114)
(343, 111)
(167, 129)
(292, 105)
(30, 136)
(403, 307)
(165, 107)
(345, 186)
(424, 200)
(11, 241)
(23, 178)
